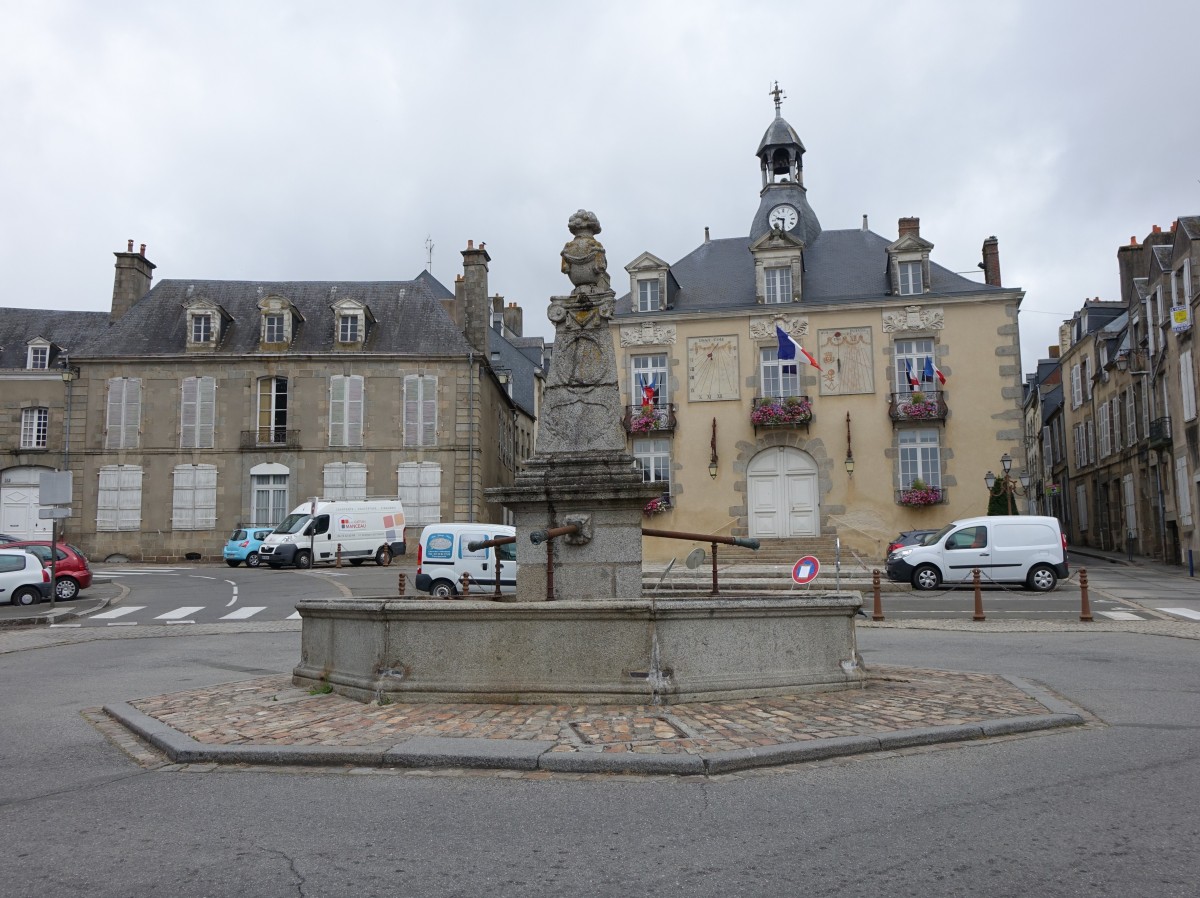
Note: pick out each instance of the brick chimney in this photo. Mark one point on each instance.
(991, 262)
(471, 297)
(907, 227)
(131, 281)
(513, 319)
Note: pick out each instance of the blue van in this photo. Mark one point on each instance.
(243, 545)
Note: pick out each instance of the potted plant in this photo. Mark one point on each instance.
(918, 405)
(919, 493)
(656, 506)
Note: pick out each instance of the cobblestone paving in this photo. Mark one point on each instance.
(270, 711)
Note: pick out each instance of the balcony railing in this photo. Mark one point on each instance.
(785, 411)
(1160, 432)
(270, 438)
(649, 418)
(919, 497)
(918, 405)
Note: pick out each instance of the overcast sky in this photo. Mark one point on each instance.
(327, 141)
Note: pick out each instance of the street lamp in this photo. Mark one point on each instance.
(712, 458)
(1009, 486)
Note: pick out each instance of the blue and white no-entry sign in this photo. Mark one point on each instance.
(806, 570)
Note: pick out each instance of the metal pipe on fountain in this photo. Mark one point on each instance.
(537, 537)
(709, 538)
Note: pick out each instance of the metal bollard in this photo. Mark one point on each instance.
(1085, 608)
(402, 584)
(978, 596)
(465, 583)
(877, 610)
(338, 560)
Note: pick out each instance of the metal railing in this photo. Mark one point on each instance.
(1160, 432)
(931, 406)
(270, 437)
(641, 419)
(781, 411)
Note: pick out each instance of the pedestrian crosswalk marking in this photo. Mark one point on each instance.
(1182, 612)
(178, 613)
(243, 613)
(118, 612)
(295, 615)
(1120, 615)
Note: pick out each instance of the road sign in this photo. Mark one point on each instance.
(54, 513)
(806, 570)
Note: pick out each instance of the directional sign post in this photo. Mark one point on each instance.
(806, 570)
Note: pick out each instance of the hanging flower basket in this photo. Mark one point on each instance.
(793, 410)
(920, 496)
(644, 422)
(1053, 489)
(656, 506)
(923, 409)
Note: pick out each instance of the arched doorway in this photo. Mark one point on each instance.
(782, 494)
(19, 506)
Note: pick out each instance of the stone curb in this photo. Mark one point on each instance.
(531, 755)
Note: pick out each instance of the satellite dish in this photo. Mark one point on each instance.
(695, 559)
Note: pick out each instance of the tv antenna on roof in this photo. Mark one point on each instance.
(429, 253)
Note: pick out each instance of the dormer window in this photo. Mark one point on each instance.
(351, 320)
(278, 320)
(202, 328)
(348, 328)
(274, 330)
(649, 295)
(910, 278)
(778, 283)
(39, 356)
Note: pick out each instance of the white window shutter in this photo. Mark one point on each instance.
(356, 480)
(428, 411)
(106, 499)
(133, 417)
(206, 412)
(354, 411)
(334, 480)
(429, 491)
(337, 410)
(187, 413)
(206, 497)
(412, 407)
(1187, 384)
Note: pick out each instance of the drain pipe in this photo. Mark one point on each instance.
(471, 437)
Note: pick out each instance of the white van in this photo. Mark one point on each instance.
(313, 533)
(443, 557)
(1029, 549)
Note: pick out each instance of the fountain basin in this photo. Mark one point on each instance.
(608, 651)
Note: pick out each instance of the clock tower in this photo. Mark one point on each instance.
(784, 201)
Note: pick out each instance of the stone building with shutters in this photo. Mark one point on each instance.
(865, 441)
(201, 406)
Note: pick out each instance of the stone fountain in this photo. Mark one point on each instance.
(579, 630)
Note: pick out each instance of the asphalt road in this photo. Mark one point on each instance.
(1105, 810)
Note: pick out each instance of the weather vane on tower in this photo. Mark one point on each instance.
(779, 95)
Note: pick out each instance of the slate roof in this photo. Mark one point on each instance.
(1191, 226)
(840, 267)
(409, 317)
(779, 133)
(67, 330)
(510, 358)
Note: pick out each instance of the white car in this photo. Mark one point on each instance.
(23, 578)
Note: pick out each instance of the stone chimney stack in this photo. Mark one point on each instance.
(472, 299)
(991, 262)
(132, 280)
(908, 227)
(513, 319)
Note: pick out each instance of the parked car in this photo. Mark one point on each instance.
(8, 539)
(23, 580)
(71, 569)
(908, 538)
(244, 545)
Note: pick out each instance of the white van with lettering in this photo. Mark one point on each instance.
(1029, 549)
(444, 555)
(321, 530)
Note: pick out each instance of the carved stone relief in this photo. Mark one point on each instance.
(648, 333)
(913, 318)
(764, 328)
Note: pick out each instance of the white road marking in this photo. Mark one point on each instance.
(1120, 615)
(118, 612)
(52, 626)
(180, 612)
(295, 615)
(122, 623)
(1182, 612)
(244, 612)
(232, 601)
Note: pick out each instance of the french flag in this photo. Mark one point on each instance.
(788, 349)
(931, 371)
(913, 381)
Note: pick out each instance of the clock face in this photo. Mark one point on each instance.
(783, 217)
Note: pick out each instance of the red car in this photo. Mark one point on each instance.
(72, 571)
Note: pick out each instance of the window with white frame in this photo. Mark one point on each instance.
(778, 284)
(344, 480)
(201, 327)
(420, 491)
(649, 295)
(420, 410)
(1076, 387)
(653, 459)
(272, 411)
(346, 410)
(1187, 385)
(913, 361)
(119, 498)
(910, 278)
(194, 497)
(274, 328)
(648, 379)
(349, 327)
(1105, 442)
(779, 379)
(35, 426)
(197, 412)
(269, 498)
(1183, 493)
(1085, 372)
(1080, 446)
(1081, 507)
(123, 414)
(920, 458)
(39, 356)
